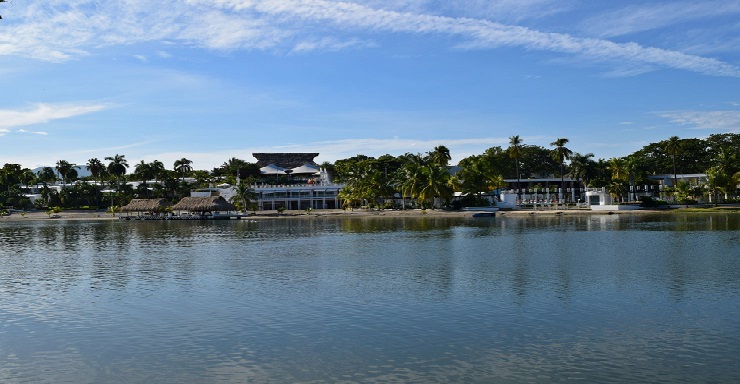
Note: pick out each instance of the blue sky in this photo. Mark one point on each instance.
(215, 79)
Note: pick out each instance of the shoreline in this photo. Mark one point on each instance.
(333, 213)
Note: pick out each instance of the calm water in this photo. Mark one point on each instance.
(603, 299)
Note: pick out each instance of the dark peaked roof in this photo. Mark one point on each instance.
(285, 160)
(203, 204)
(146, 205)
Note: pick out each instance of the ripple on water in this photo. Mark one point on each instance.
(510, 300)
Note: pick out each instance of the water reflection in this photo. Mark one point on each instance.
(608, 298)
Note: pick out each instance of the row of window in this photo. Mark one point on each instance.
(296, 194)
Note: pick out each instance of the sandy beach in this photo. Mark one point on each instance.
(100, 215)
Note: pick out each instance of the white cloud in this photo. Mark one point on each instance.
(57, 33)
(720, 120)
(655, 15)
(508, 10)
(43, 113)
(340, 149)
(33, 132)
(330, 44)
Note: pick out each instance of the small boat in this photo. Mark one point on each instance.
(481, 209)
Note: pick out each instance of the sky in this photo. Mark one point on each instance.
(213, 79)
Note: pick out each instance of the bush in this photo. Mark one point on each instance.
(647, 202)
(38, 204)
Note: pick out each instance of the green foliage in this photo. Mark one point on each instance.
(38, 204)
(649, 202)
(244, 196)
(53, 211)
(230, 168)
(420, 179)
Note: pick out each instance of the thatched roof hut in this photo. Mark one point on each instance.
(203, 204)
(146, 205)
(285, 160)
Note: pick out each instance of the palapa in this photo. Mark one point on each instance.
(146, 205)
(285, 160)
(203, 204)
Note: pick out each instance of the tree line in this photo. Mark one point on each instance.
(420, 179)
(424, 177)
(107, 185)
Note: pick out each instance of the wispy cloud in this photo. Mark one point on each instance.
(43, 113)
(55, 33)
(33, 132)
(728, 121)
(655, 15)
(508, 10)
(340, 149)
(331, 44)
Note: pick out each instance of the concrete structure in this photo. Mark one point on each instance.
(312, 191)
(598, 197)
(600, 200)
(546, 189)
(298, 197)
(691, 178)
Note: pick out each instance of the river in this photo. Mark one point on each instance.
(510, 299)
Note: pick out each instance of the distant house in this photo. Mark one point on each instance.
(691, 178)
(308, 186)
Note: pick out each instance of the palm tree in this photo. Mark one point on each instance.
(726, 161)
(435, 184)
(515, 152)
(245, 196)
(96, 168)
(410, 176)
(144, 172)
(619, 174)
(28, 177)
(672, 147)
(63, 167)
(233, 168)
(183, 167)
(582, 167)
(46, 175)
(158, 170)
(560, 154)
(11, 175)
(440, 156)
(117, 167)
(716, 180)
